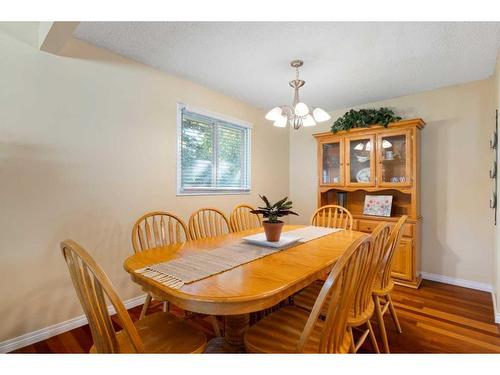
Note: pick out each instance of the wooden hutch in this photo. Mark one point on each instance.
(377, 161)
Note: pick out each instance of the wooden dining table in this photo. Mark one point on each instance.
(251, 287)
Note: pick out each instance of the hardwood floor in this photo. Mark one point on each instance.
(442, 318)
(437, 318)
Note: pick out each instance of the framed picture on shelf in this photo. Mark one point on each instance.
(378, 205)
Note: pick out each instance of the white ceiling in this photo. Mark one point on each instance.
(345, 63)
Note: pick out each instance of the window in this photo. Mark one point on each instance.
(213, 153)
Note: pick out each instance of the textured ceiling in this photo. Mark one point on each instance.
(345, 63)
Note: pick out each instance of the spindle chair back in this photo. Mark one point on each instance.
(242, 218)
(208, 222)
(332, 216)
(157, 229)
(339, 289)
(93, 287)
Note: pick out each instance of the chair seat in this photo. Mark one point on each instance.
(280, 332)
(379, 291)
(163, 333)
(307, 297)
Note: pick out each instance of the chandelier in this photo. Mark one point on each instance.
(298, 114)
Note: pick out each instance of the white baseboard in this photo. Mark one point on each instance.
(495, 310)
(458, 282)
(56, 329)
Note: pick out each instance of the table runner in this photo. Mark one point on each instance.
(175, 273)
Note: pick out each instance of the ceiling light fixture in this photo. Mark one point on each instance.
(298, 114)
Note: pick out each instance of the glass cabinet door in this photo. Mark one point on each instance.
(332, 170)
(394, 159)
(360, 161)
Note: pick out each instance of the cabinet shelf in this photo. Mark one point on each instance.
(393, 161)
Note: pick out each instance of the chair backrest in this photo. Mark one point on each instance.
(332, 216)
(340, 285)
(384, 276)
(242, 219)
(208, 222)
(93, 287)
(363, 295)
(157, 229)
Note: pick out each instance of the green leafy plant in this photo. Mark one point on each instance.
(274, 211)
(364, 118)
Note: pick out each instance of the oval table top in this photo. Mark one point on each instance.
(250, 287)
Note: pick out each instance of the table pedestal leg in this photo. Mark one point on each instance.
(232, 342)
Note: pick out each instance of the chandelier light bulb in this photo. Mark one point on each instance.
(309, 121)
(301, 109)
(320, 115)
(274, 114)
(281, 122)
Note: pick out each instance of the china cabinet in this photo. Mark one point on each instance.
(377, 161)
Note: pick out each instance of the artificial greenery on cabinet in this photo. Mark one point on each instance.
(364, 118)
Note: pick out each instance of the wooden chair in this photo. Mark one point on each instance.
(157, 229)
(384, 285)
(208, 222)
(295, 330)
(363, 307)
(332, 216)
(242, 219)
(157, 333)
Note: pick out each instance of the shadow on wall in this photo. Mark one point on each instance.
(434, 190)
(78, 49)
(43, 202)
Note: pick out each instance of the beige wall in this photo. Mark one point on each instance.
(458, 232)
(87, 145)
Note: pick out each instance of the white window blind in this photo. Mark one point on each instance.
(214, 154)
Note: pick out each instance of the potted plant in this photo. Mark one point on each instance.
(273, 226)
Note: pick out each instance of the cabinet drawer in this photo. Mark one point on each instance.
(402, 260)
(355, 224)
(369, 226)
(408, 230)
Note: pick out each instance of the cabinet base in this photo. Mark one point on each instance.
(415, 284)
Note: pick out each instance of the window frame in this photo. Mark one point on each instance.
(218, 117)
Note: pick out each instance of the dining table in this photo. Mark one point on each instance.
(247, 288)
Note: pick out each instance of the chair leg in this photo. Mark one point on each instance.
(145, 307)
(215, 325)
(353, 344)
(372, 337)
(166, 306)
(381, 325)
(393, 313)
